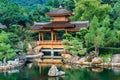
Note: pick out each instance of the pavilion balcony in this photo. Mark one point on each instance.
(49, 44)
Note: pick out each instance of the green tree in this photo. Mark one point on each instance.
(69, 5)
(13, 14)
(117, 23)
(116, 15)
(39, 14)
(53, 3)
(94, 36)
(19, 37)
(86, 9)
(74, 45)
(111, 2)
(81, 34)
(5, 48)
(110, 37)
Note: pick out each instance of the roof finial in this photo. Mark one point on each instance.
(60, 6)
(60, 2)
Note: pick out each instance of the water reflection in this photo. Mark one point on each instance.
(35, 72)
(13, 71)
(97, 69)
(116, 70)
(55, 78)
(79, 74)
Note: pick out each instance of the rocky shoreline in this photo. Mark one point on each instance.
(90, 61)
(10, 67)
(103, 65)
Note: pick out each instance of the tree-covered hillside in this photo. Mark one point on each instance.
(28, 2)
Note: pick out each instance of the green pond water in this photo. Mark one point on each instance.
(33, 72)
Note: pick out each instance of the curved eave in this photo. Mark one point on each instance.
(58, 15)
(41, 30)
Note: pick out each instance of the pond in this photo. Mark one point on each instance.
(35, 72)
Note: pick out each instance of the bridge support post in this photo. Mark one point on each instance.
(52, 53)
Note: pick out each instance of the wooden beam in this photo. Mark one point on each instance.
(42, 36)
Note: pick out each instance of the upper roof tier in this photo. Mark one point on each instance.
(59, 12)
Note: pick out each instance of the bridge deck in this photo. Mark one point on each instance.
(34, 56)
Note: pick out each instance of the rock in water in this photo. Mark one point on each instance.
(54, 71)
(60, 73)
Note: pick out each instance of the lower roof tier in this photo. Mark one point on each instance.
(69, 26)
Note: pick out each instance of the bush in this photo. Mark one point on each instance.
(106, 57)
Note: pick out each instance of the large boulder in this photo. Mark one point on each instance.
(97, 60)
(15, 62)
(37, 49)
(55, 72)
(66, 56)
(82, 60)
(29, 49)
(116, 58)
(74, 59)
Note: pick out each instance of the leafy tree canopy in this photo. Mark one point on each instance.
(12, 14)
(5, 48)
(86, 9)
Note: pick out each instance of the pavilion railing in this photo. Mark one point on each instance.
(48, 42)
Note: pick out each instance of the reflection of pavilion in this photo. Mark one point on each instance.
(59, 22)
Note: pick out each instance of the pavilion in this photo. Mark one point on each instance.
(59, 22)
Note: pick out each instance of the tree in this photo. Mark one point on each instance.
(117, 23)
(5, 48)
(74, 46)
(39, 14)
(19, 37)
(116, 15)
(86, 9)
(94, 36)
(28, 3)
(110, 2)
(81, 34)
(110, 35)
(53, 3)
(69, 5)
(13, 14)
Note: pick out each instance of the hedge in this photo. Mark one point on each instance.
(104, 50)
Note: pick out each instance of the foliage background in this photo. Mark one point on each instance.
(103, 16)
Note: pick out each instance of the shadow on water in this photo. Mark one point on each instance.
(35, 72)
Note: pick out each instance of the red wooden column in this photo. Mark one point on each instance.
(52, 35)
(39, 37)
(42, 36)
(66, 31)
